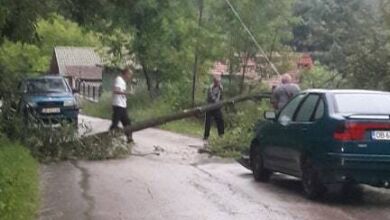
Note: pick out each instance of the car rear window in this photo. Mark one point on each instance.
(362, 103)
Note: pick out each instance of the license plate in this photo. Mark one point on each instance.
(51, 110)
(380, 135)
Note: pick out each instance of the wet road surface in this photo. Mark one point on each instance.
(166, 178)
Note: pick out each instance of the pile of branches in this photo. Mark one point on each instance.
(53, 142)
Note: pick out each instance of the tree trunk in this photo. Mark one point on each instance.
(158, 85)
(147, 79)
(243, 73)
(194, 74)
(231, 60)
(272, 48)
(231, 69)
(195, 67)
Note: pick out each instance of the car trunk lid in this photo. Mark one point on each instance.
(364, 134)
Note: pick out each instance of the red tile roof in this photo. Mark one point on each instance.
(305, 61)
(219, 68)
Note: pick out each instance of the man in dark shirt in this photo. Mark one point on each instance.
(282, 94)
(214, 95)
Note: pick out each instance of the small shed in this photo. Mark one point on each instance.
(81, 66)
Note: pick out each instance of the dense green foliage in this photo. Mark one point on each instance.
(173, 44)
(349, 37)
(18, 19)
(163, 38)
(320, 77)
(18, 183)
(20, 59)
(35, 57)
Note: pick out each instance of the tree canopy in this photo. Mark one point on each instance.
(178, 41)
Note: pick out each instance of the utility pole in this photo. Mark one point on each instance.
(195, 67)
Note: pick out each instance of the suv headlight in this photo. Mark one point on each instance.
(69, 103)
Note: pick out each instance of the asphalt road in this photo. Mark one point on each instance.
(179, 183)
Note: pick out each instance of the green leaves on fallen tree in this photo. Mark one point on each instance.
(51, 142)
(63, 143)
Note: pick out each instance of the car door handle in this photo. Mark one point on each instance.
(304, 129)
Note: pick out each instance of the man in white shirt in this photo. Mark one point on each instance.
(119, 101)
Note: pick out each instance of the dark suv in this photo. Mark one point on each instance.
(326, 137)
(48, 99)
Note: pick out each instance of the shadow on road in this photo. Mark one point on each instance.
(357, 196)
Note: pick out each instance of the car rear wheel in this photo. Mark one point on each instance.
(260, 173)
(312, 186)
(350, 190)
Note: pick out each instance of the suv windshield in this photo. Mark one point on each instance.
(362, 103)
(49, 85)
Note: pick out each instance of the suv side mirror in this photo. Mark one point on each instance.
(270, 115)
(75, 91)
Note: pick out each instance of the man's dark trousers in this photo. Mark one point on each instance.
(120, 115)
(217, 115)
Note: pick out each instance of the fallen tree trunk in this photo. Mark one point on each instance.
(191, 112)
(188, 113)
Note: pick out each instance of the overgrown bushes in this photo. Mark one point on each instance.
(18, 182)
(240, 124)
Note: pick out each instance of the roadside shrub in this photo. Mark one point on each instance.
(19, 197)
(240, 123)
(322, 77)
(10, 123)
(178, 95)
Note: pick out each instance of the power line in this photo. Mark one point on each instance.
(252, 37)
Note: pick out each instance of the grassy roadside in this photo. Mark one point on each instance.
(19, 188)
(191, 127)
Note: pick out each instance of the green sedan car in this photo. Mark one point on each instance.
(326, 137)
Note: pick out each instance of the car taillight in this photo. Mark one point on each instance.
(349, 132)
(356, 131)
